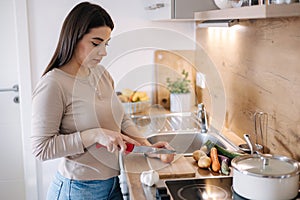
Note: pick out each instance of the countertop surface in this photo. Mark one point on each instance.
(135, 164)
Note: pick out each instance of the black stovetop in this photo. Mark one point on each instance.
(216, 188)
(198, 189)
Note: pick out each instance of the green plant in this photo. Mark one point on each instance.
(180, 85)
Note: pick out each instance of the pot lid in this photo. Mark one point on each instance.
(266, 166)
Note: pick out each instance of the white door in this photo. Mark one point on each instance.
(11, 168)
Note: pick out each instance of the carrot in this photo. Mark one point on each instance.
(215, 166)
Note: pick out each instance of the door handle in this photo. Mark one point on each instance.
(15, 88)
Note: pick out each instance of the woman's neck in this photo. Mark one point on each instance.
(75, 70)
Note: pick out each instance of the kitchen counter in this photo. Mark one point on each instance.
(135, 164)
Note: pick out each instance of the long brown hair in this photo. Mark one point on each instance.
(79, 21)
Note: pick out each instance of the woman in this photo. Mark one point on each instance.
(75, 107)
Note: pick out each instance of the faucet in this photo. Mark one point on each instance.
(202, 117)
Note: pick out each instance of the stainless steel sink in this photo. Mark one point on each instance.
(181, 130)
(186, 143)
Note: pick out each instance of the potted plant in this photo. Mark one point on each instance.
(180, 95)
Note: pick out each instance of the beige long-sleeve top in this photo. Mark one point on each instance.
(63, 106)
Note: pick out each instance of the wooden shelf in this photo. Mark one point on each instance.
(251, 12)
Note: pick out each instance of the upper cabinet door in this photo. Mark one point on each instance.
(176, 9)
(159, 9)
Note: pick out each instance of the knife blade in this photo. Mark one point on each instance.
(131, 148)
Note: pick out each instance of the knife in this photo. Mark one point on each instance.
(143, 149)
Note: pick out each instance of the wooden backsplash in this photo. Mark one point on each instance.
(259, 64)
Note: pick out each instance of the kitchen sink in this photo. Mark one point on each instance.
(181, 130)
(187, 143)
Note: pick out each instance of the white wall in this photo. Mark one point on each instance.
(130, 15)
(129, 51)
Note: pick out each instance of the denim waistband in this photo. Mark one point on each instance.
(61, 177)
(65, 189)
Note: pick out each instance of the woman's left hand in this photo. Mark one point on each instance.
(167, 158)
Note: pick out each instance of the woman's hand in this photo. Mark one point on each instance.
(167, 158)
(112, 140)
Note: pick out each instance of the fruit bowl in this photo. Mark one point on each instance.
(135, 107)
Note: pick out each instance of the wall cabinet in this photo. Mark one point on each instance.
(251, 12)
(176, 9)
(195, 10)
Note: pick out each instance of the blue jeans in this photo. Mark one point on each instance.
(63, 188)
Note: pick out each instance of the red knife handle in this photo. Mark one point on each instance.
(129, 146)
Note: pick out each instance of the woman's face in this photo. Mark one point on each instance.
(92, 47)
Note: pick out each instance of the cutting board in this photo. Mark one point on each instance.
(179, 168)
(169, 64)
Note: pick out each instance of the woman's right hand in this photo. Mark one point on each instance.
(112, 140)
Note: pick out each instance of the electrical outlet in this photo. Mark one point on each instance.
(200, 80)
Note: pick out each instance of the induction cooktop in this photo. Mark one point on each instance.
(200, 189)
(191, 189)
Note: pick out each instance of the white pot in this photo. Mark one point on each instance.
(263, 177)
(180, 102)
